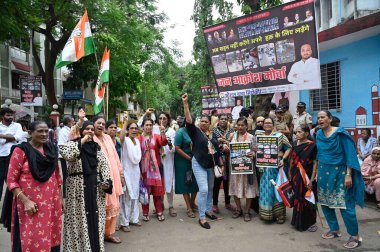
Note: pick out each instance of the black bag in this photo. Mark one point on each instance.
(189, 177)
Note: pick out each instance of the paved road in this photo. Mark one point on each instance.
(184, 234)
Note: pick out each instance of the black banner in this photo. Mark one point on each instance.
(211, 101)
(270, 51)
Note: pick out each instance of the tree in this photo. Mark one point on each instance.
(129, 29)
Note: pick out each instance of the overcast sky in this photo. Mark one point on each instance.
(180, 27)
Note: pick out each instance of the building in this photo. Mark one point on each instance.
(349, 53)
(16, 60)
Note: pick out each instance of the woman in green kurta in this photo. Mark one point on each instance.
(182, 164)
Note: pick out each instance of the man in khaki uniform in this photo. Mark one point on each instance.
(301, 117)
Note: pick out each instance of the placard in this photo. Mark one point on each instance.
(239, 162)
(211, 101)
(270, 51)
(31, 94)
(267, 151)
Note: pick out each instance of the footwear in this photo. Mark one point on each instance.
(353, 243)
(204, 225)
(211, 216)
(237, 214)
(195, 208)
(137, 224)
(125, 229)
(247, 217)
(230, 207)
(172, 212)
(145, 218)
(331, 234)
(215, 209)
(312, 228)
(280, 220)
(190, 213)
(112, 239)
(161, 217)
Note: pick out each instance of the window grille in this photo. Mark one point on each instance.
(328, 97)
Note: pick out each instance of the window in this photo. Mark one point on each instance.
(15, 80)
(328, 97)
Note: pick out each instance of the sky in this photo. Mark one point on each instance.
(179, 26)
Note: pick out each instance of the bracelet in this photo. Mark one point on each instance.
(18, 194)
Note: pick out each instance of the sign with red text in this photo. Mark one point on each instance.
(267, 151)
(211, 100)
(31, 92)
(270, 51)
(240, 163)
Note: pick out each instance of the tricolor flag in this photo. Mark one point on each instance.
(80, 43)
(104, 77)
(309, 195)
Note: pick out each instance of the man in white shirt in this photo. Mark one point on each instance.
(305, 74)
(236, 110)
(63, 138)
(309, 16)
(10, 134)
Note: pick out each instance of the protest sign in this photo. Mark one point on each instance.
(239, 162)
(266, 151)
(270, 51)
(211, 101)
(31, 94)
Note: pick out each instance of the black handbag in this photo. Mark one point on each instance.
(189, 176)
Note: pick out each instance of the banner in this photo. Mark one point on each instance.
(267, 151)
(31, 93)
(270, 51)
(239, 162)
(211, 100)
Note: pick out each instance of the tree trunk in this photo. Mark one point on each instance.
(262, 105)
(49, 73)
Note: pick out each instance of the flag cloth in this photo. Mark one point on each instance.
(80, 43)
(309, 196)
(103, 78)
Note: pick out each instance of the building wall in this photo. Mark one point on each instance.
(360, 70)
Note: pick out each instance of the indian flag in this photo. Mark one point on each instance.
(103, 78)
(80, 43)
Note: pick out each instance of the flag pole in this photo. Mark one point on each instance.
(96, 56)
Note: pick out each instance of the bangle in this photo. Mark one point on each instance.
(18, 194)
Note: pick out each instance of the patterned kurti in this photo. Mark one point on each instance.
(40, 231)
(76, 223)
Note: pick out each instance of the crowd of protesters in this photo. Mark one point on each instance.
(98, 174)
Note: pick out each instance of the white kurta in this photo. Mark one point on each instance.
(130, 159)
(168, 161)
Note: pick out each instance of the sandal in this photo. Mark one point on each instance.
(331, 234)
(137, 224)
(195, 208)
(145, 218)
(312, 228)
(161, 217)
(125, 229)
(172, 212)
(237, 214)
(113, 239)
(247, 217)
(281, 220)
(353, 243)
(215, 209)
(190, 213)
(230, 207)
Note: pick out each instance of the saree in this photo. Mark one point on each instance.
(269, 207)
(304, 212)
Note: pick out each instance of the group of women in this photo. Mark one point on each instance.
(103, 189)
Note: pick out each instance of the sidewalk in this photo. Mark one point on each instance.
(184, 234)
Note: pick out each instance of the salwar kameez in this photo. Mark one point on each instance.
(335, 154)
(112, 200)
(129, 204)
(269, 207)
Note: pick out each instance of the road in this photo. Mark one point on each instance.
(184, 234)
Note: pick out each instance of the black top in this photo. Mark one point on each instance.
(200, 147)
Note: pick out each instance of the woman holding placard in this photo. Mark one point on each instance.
(269, 207)
(243, 185)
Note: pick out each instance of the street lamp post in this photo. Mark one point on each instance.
(54, 115)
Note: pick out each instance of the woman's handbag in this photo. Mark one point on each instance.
(218, 171)
(143, 194)
(189, 175)
(284, 190)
